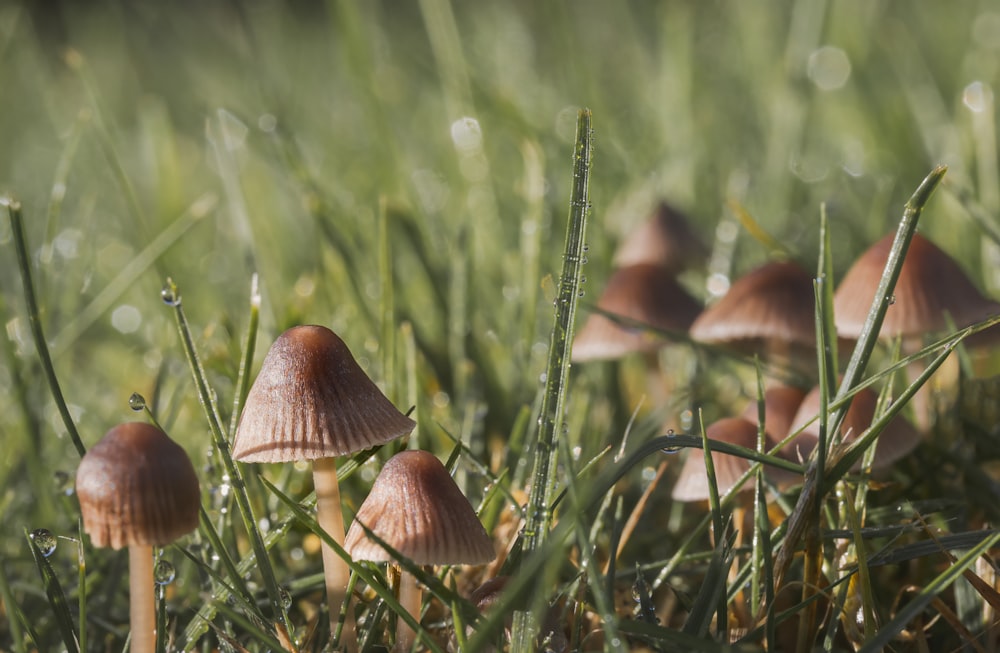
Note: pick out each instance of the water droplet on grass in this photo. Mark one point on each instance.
(164, 573)
(286, 598)
(44, 540)
(136, 402)
(169, 296)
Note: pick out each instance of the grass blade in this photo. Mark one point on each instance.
(172, 297)
(35, 320)
(56, 596)
(887, 633)
(539, 512)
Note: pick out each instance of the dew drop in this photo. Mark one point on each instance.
(891, 299)
(286, 598)
(44, 540)
(170, 296)
(670, 431)
(136, 402)
(164, 573)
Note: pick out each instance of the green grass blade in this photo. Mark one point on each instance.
(713, 586)
(35, 320)
(56, 596)
(246, 360)
(917, 602)
(539, 512)
(172, 297)
(13, 612)
(81, 589)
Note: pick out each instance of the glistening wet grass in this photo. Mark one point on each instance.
(184, 183)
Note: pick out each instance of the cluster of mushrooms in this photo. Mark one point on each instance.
(310, 402)
(770, 313)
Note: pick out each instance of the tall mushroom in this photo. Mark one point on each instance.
(312, 401)
(666, 239)
(416, 508)
(138, 489)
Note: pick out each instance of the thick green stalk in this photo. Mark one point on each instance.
(552, 410)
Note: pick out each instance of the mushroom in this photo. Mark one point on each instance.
(645, 293)
(138, 489)
(692, 481)
(665, 239)
(930, 290)
(417, 509)
(895, 441)
(769, 311)
(312, 401)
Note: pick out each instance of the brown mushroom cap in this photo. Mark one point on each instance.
(772, 303)
(895, 441)
(665, 239)
(312, 400)
(416, 508)
(646, 293)
(692, 481)
(931, 285)
(137, 487)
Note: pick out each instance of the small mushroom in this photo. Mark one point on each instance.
(312, 401)
(898, 439)
(692, 481)
(769, 311)
(646, 293)
(416, 508)
(931, 290)
(138, 489)
(666, 239)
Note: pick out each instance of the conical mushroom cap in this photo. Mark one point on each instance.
(895, 441)
(931, 285)
(312, 400)
(416, 508)
(665, 239)
(645, 293)
(137, 487)
(692, 481)
(772, 303)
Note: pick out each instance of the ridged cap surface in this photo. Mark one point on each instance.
(137, 486)
(931, 285)
(312, 400)
(773, 302)
(416, 508)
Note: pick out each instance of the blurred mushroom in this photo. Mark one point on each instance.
(645, 293)
(931, 290)
(665, 239)
(770, 311)
(312, 401)
(931, 287)
(895, 441)
(138, 489)
(417, 509)
(692, 480)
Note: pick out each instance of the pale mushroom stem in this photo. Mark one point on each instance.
(410, 598)
(330, 516)
(142, 611)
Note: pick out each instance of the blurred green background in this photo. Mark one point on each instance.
(388, 163)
